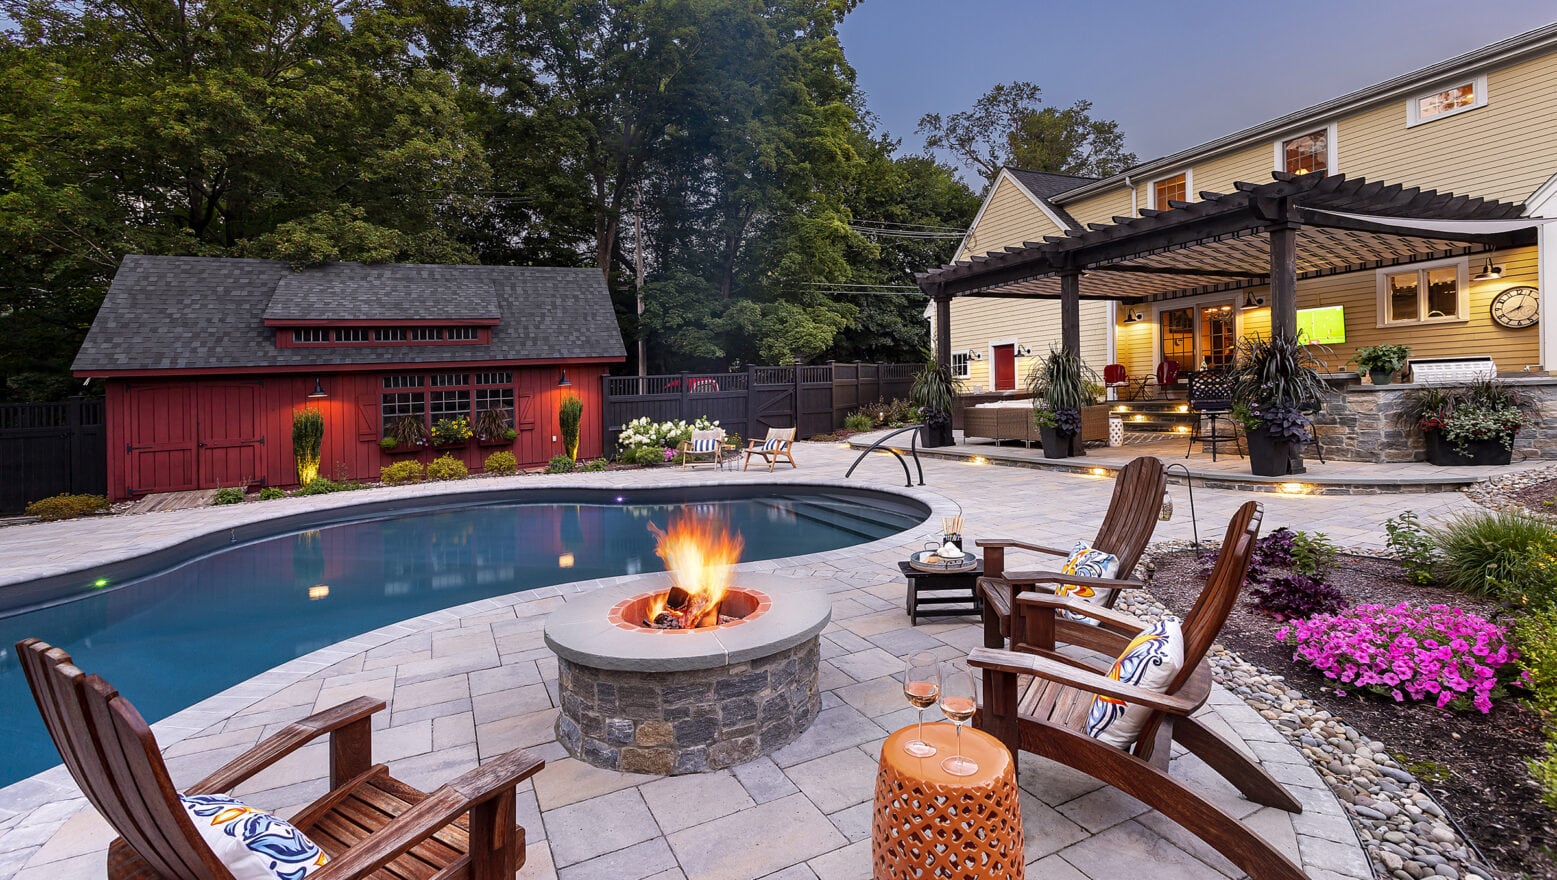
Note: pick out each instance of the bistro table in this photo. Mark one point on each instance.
(931, 824)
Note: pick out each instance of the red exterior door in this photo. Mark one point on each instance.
(1005, 368)
(160, 440)
(231, 435)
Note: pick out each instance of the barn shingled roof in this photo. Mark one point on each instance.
(207, 313)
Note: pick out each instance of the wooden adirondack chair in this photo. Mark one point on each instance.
(780, 443)
(1037, 700)
(370, 824)
(1127, 529)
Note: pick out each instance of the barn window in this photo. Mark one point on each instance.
(389, 334)
(461, 334)
(351, 334)
(426, 334)
(414, 381)
(401, 404)
(311, 334)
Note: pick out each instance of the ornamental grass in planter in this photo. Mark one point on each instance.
(1060, 386)
(307, 438)
(1275, 384)
(935, 392)
(1473, 424)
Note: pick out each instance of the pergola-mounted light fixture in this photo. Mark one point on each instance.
(563, 381)
(1488, 272)
(318, 392)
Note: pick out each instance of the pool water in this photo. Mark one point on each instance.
(177, 636)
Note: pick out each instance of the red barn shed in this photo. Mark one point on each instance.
(206, 359)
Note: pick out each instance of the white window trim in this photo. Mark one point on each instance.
(1478, 82)
(1462, 285)
(1189, 187)
(967, 364)
(1331, 165)
(1016, 372)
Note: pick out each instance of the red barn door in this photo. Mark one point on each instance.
(160, 441)
(230, 434)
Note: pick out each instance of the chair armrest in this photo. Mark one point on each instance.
(286, 741)
(1009, 543)
(1017, 663)
(1116, 619)
(1081, 580)
(431, 815)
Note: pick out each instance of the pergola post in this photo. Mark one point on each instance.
(1070, 312)
(1283, 279)
(942, 329)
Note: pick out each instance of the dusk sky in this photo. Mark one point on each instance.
(1173, 75)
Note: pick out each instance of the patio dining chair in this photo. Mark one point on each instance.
(368, 825)
(707, 443)
(1062, 707)
(779, 443)
(1116, 378)
(1126, 530)
(1211, 403)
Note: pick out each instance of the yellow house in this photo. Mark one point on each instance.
(1406, 212)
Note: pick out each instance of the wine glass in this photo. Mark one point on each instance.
(921, 685)
(959, 699)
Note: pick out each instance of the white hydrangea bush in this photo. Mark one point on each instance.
(642, 432)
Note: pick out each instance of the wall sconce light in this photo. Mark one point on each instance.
(318, 392)
(563, 382)
(1132, 317)
(1250, 301)
(1488, 272)
(975, 355)
(1024, 351)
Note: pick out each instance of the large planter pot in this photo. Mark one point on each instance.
(1477, 452)
(1269, 457)
(1381, 377)
(1056, 444)
(938, 435)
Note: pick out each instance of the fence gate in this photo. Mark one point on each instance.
(50, 448)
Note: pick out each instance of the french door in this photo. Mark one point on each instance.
(1199, 337)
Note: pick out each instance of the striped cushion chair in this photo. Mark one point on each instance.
(779, 444)
(707, 443)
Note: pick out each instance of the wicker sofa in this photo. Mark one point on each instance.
(1013, 420)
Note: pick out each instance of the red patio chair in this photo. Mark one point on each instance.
(1167, 377)
(1116, 376)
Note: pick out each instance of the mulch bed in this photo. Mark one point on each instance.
(1540, 497)
(1472, 763)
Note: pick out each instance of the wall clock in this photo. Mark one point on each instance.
(1516, 307)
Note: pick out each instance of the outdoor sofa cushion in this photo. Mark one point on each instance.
(253, 844)
(1150, 661)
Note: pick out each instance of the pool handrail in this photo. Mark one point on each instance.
(913, 449)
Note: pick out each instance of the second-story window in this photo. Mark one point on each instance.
(1457, 98)
(1307, 153)
(1170, 189)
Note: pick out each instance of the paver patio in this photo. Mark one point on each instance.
(468, 683)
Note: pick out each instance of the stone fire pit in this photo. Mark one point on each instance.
(642, 700)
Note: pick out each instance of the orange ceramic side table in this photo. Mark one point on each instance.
(931, 824)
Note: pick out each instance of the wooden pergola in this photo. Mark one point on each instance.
(1295, 227)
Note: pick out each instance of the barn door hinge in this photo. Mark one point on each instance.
(262, 440)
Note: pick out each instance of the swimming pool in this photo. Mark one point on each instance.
(175, 628)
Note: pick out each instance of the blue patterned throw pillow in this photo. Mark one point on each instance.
(773, 443)
(1087, 562)
(705, 445)
(253, 844)
(1150, 661)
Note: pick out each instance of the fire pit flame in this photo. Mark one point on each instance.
(700, 554)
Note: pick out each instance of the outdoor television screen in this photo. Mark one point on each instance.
(1322, 326)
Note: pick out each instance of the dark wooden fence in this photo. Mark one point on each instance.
(49, 448)
(814, 400)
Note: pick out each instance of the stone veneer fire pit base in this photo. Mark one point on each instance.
(646, 701)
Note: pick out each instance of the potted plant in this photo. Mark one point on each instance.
(452, 432)
(1473, 425)
(1382, 362)
(934, 391)
(405, 434)
(493, 428)
(569, 415)
(1276, 384)
(1059, 392)
(307, 438)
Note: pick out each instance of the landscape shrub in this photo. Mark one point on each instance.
(228, 495)
(1438, 653)
(447, 467)
(501, 462)
(1288, 572)
(1296, 595)
(1415, 550)
(66, 506)
(307, 438)
(1503, 553)
(325, 486)
(1535, 635)
(641, 432)
(642, 455)
(569, 414)
(561, 464)
(858, 421)
(271, 493)
(408, 471)
(595, 466)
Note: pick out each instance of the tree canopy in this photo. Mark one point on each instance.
(1010, 125)
(722, 143)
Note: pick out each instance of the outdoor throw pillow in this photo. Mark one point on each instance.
(1150, 661)
(705, 445)
(1087, 562)
(774, 443)
(253, 844)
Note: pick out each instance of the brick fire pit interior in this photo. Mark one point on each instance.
(642, 700)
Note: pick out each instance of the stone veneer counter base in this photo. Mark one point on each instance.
(655, 701)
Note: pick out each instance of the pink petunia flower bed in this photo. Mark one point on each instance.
(1439, 653)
